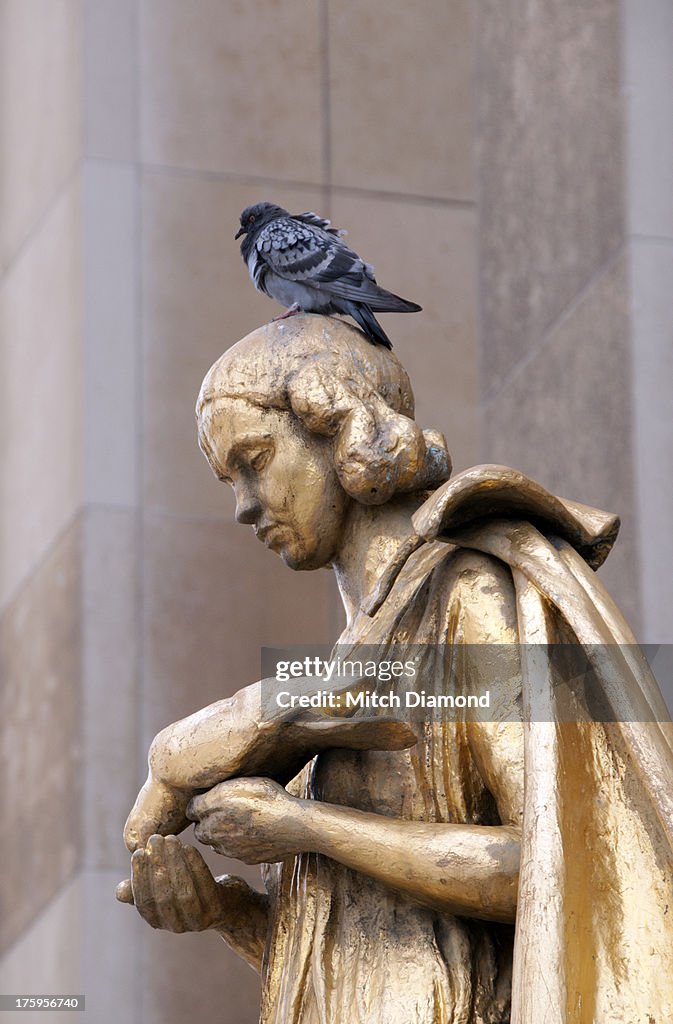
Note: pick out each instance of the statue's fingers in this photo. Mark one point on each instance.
(199, 806)
(202, 832)
(124, 891)
(219, 796)
(165, 897)
(189, 902)
(199, 870)
(214, 828)
(203, 881)
(142, 888)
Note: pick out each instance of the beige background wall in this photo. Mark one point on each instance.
(41, 428)
(503, 164)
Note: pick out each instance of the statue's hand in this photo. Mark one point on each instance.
(253, 820)
(231, 738)
(172, 888)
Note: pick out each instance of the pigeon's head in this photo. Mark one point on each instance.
(256, 216)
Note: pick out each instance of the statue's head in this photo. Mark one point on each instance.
(303, 417)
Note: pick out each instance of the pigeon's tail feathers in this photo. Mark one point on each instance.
(388, 302)
(365, 318)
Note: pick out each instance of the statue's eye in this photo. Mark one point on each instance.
(260, 460)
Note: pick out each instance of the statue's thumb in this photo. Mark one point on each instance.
(124, 892)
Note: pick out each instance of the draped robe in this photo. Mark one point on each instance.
(496, 560)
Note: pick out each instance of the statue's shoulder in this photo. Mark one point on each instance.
(479, 497)
(492, 492)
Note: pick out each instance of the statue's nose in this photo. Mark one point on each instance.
(247, 507)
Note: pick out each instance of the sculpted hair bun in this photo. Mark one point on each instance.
(378, 451)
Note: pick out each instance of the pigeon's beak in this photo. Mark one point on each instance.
(241, 231)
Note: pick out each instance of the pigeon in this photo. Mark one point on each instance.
(301, 261)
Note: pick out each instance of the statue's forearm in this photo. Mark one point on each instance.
(205, 748)
(252, 734)
(243, 735)
(470, 870)
(246, 924)
(191, 754)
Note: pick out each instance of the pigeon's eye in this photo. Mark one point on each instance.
(251, 218)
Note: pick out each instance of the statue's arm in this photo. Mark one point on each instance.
(245, 929)
(248, 734)
(468, 870)
(463, 869)
(196, 753)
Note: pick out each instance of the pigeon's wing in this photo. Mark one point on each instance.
(304, 252)
(320, 222)
(356, 286)
(350, 279)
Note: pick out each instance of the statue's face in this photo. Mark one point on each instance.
(283, 478)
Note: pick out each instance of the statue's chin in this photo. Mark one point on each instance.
(301, 561)
(294, 562)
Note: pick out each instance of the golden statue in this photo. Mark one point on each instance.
(417, 872)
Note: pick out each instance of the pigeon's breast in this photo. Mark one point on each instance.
(256, 268)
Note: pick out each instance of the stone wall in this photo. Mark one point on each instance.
(40, 465)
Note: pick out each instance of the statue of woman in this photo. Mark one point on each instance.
(449, 870)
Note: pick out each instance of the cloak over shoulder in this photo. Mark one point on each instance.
(594, 930)
(593, 938)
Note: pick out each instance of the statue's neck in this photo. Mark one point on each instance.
(372, 537)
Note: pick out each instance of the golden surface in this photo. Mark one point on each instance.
(454, 870)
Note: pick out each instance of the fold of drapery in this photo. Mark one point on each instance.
(594, 928)
(594, 934)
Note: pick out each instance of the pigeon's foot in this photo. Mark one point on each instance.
(292, 311)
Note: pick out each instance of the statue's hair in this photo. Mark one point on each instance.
(339, 386)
